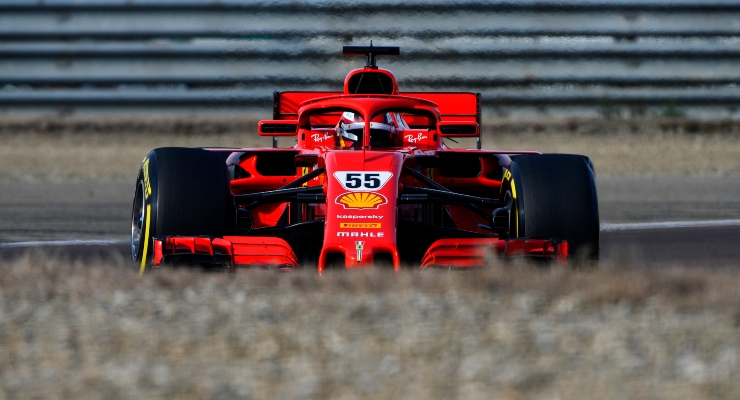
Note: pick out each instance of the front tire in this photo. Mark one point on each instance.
(179, 192)
(554, 197)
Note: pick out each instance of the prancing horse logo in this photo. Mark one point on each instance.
(359, 246)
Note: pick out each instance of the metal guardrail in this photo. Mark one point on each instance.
(237, 97)
(328, 6)
(229, 53)
(492, 51)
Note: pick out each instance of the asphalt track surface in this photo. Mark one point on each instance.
(658, 220)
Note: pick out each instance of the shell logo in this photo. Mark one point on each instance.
(361, 200)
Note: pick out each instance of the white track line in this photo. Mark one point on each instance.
(62, 243)
(607, 227)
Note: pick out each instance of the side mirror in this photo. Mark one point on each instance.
(458, 128)
(277, 128)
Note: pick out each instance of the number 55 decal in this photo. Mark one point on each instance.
(359, 181)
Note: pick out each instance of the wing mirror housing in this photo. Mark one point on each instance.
(278, 128)
(458, 128)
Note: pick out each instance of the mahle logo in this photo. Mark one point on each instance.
(361, 234)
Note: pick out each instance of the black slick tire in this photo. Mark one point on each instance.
(179, 192)
(555, 198)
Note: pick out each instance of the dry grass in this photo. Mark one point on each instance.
(631, 147)
(100, 331)
(81, 149)
(105, 149)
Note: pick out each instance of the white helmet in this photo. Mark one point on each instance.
(382, 134)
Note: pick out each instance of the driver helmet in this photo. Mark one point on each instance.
(350, 131)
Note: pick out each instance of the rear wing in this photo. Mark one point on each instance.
(454, 106)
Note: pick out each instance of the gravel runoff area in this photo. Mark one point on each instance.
(106, 148)
(510, 332)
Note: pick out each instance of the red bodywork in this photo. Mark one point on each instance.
(362, 213)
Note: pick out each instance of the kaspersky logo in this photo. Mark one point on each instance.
(371, 216)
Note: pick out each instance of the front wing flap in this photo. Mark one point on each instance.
(231, 252)
(465, 253)
(236, 252)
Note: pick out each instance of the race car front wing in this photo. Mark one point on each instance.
(239, 252)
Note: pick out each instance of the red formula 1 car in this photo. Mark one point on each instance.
(369, 182)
